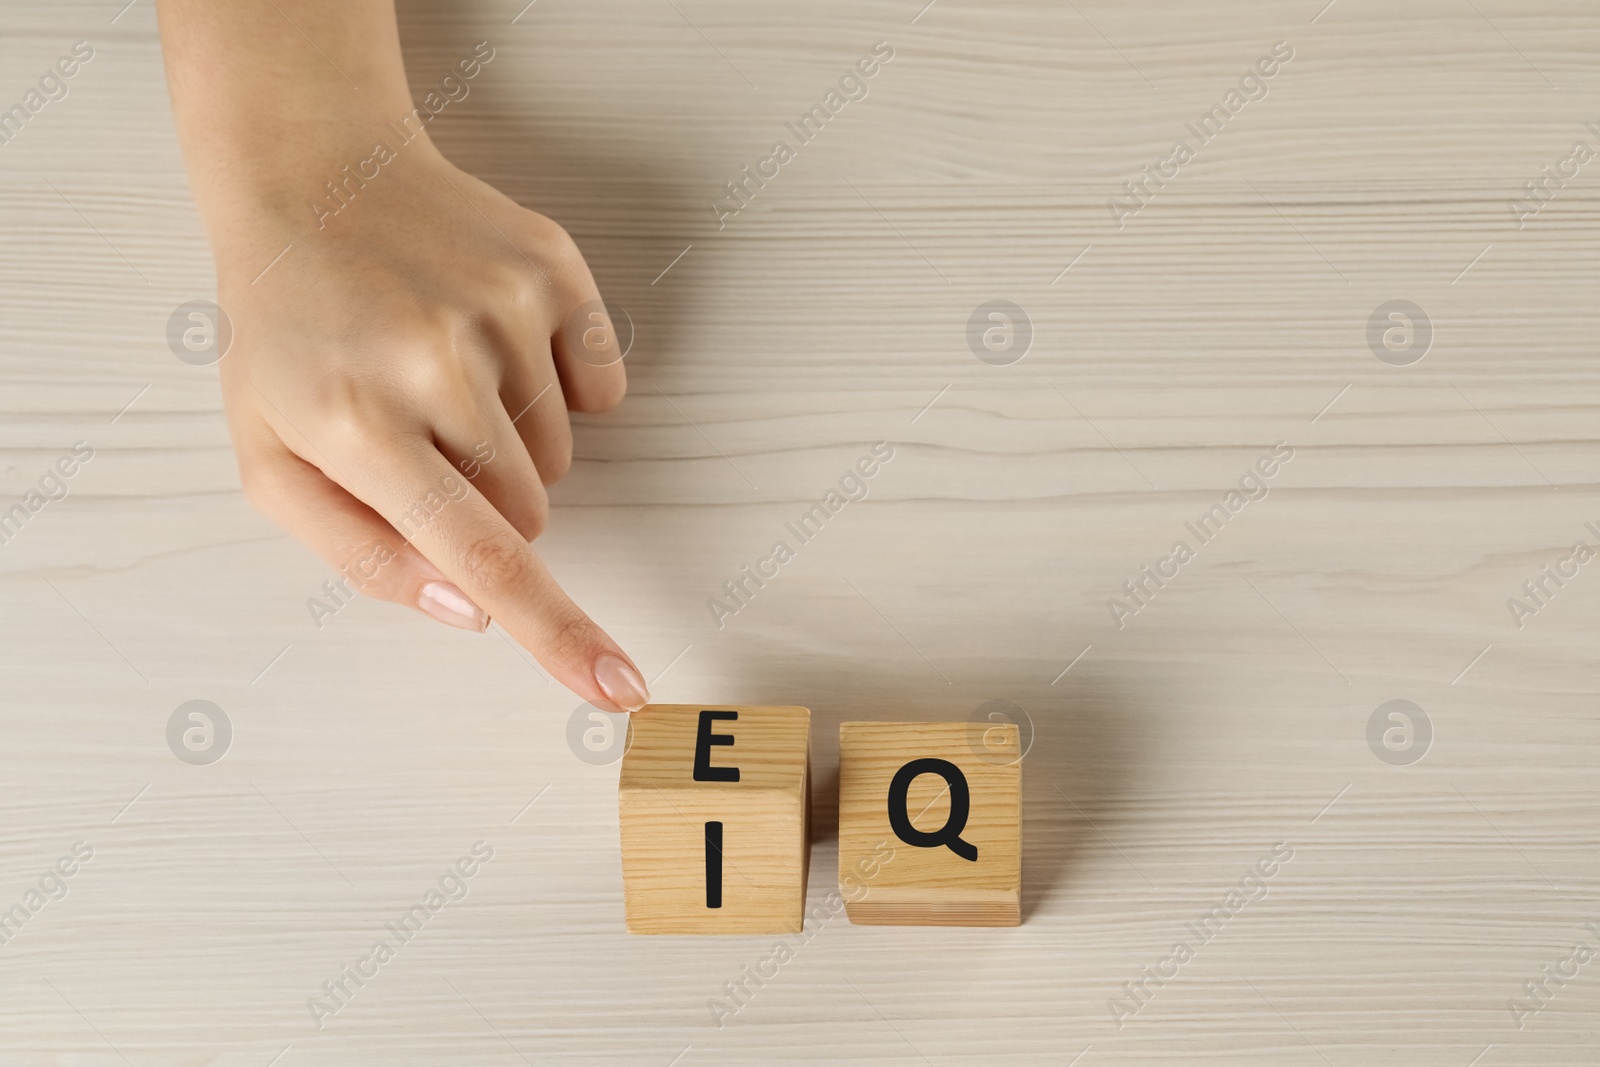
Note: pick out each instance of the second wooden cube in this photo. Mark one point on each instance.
(930, 823)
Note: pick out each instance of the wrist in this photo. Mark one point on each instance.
(295, 178)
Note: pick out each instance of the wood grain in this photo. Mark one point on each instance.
(1168, 757)
(762, 842)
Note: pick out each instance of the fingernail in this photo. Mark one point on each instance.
(450, 605)
(621, 682)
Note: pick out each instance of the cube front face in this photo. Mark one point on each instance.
(703, 852)
(903, 859)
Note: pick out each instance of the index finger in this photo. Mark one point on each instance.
(461, 533)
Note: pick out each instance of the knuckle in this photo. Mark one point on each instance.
(439, 371)
(560, 260)
(574, 634)
(529, 514)
(517, 288)
(494, 563)
(538, 520)
(555, 462)
(349, 417)
(264, 480)
(555, 240)
(259, 484)
(565, 249)
(605, 393)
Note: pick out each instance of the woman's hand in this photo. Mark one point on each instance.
(399, 380)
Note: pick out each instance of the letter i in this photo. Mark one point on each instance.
(713, 865)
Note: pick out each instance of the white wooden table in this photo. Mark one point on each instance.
(1229, 714)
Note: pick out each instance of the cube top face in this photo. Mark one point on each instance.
(768, 745)
(900, 781)
(714, 804)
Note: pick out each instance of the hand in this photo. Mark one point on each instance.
(397, 391)
(399, 379)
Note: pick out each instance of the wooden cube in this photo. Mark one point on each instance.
(930, 823)
(715, 803)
